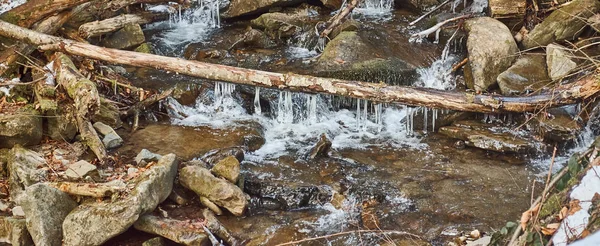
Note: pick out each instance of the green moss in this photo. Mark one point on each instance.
(552, 205)
(144, 48)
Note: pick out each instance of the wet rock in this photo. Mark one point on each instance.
(228, 168)
(144, 48)
(245, 7)
(219, 191)
(127, 37)
(211, 205)
(111, 139)
(157, 241)
(332, 4)
(346, 26)
(527, 74)
(214, 156)
(108, 113)
(556, 126)
(80, 169)
(510, 12)
(25, 170)
(492, 50)
(321, 148)
(61, 124)
(145, 157)
(24, 127)
(559, 61)
(216, 228)
(199, 163)
(251, 38)
(416, 4)
(14, 231)
(484, 138)
(565, 23)
(95, 223)
(183, 232)
(45, 210)
(282, 25)
(346, 48)
(286, 196)
(183, 141)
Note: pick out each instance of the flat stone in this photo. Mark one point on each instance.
(182, 232)
(80, 169)
(103, 129)
(559, 61)
(510, 12)
(145, 156)
(483, 138)
(228, 168)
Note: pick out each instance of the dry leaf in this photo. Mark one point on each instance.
(526, 216)
(563, 213)
(550, 229)
(574, 206)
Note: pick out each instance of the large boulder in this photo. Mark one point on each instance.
(282, 25)
(510, 12)
(24, 127)
(559, 61)
(225, 194)
(529, 73)
(247, 7)
(565, 23)
(127, 37)
(182, 232)
(492, 49)
(45, 209)
(95, 223)
(25, 168)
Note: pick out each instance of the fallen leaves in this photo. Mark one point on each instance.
(550, 229)
(526, 216)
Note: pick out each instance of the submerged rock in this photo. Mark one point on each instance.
(321, 148)
(565, 23)
(246, 7)
(559, 61)
(492, 49)
(95, 223)
(527, 74)
(219, 191)
(25, 170)
(251, 38)
(481, 136)
(228, 168)
(182, 232)
(274, 196)
(127, 37)
(24, 127)
(45, 209)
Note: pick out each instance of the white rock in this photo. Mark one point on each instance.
(79, 169)
(132, 171)
(475, 234)
(558, 61)
(484, 241)
(103, 129)
(18, 211)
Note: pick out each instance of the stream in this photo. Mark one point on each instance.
(388, 169)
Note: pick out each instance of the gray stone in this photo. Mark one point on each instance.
(25, 170)
(61, 124)
(45, 210)
(492, 50)
(182, 232)
(24, 127)
(127, 37)
(18, 211)
(215, 227)
(565, 23)
(145, 156)
(248, 7)
(80, 169)
(556, 125)
(559, 61)
(131, 171)
(528, 73)
(108, 113)
(484, 241)
(103, 129)
(228, 168)
(95, 223)
(282, 25)
(112, 141)
(157, 241)
(14, 231)
(510, 12)
(219, 191)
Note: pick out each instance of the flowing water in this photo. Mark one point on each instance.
(386, 159)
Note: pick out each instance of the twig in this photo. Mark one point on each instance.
(337, 19)
(345, 233)
(438, 26)
(428, 13)
(460, 64)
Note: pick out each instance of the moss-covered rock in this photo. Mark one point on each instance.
(127, 37)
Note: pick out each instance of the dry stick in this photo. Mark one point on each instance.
(539, 199)
(430, 12)
(438, 26)
(545, 188)
(460, 64)
(337, 19)
(345, 233)
(382, 93)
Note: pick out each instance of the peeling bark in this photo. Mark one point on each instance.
(97, 28)
(460, 101)
(86, 98)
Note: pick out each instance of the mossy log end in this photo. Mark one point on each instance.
(86, 98)
(378, 92)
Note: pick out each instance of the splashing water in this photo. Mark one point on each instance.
(193, 25)
(380, 9)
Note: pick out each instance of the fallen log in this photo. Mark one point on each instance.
(97, 28)
(35, 10)
(87, 101)
(139, 107)
(336, 20)
(98, 190)
(382, 93)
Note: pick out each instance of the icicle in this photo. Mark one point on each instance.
(364, 118)
(312, 110)
(357, 113)
(280, 107)
(434, 118)
(257, 109)
(424, 118)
